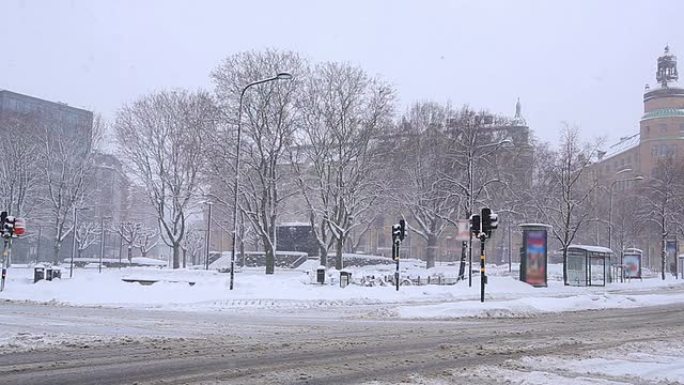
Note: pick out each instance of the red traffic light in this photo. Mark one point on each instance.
(19, 226)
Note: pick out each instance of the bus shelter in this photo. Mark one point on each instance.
(588, 265)
(631, 262)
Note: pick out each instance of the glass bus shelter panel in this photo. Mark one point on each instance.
(597, 271)
(577, 268)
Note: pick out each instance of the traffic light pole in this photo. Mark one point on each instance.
(483, 276)
(398, 234)
(395, 256)
(6, 250)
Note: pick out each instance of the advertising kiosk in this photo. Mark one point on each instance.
(534, 254)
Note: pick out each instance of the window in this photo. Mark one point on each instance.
(663, 127)
(662, 150)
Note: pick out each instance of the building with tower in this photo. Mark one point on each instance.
(661, 128)
(642, 156)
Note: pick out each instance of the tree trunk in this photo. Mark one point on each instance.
(565, 265)
(324, 255)
(176, 256)
(143, 252)
(664, 257)
(185, 255)
(270, 260)
(464, 254)
(57, 248)
(431, 250)
(130, 253)
(338, 254)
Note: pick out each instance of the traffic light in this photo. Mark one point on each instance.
(475, 224)
(486, 216)
(11, 226)
(490, 221)
(396, 232)
(402, 229)
(19, 226)
(8, 226)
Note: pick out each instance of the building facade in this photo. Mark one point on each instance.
(54, 116)
(32, 123)
(661, 129)
(638, 156)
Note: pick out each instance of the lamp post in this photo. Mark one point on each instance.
(610, 205)
(471, 198)
(280, 76)
(102, 241)
(73, 247)
(208, 237)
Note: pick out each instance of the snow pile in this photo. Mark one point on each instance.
(529, 306)
(631, 363)
(26, 342)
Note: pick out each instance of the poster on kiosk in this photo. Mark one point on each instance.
(534, 255)
(631, 262)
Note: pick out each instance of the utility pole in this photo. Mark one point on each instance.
(102, 244)
(208, 238)
(40, 238)
(73, 247)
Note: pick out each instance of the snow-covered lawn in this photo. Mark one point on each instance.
(505, 296)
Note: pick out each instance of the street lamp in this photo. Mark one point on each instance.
(102, 240)
(208, 237)
(610, 204)
(471, 199)
(280, 76)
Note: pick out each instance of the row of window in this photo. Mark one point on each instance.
(663, 150)
(44, 109)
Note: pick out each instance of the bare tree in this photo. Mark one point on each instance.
(137, 235)
(162, 137)
(20, 163)
(563, 189)
(129, 233)
(345, 113)
(193, 245)
(423, 183)
(66, 157)
(87, 234)
(147, 239)
(662, 196)
(269, 125)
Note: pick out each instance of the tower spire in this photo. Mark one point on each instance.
(518, 118)
(667, 68)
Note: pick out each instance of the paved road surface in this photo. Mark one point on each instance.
(322, 347)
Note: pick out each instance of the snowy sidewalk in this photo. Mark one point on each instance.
(292, 289)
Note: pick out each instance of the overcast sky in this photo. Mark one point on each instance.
(583, 62)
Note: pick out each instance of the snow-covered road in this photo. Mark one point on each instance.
(337, 346)
(281, 329)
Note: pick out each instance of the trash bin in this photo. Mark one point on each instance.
(38, 274)
(320, 275)
(345, 278)
(56, 273)
(48, 274)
